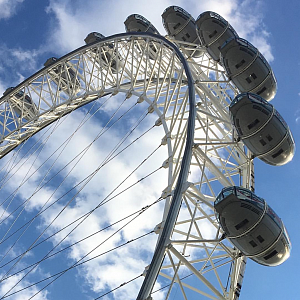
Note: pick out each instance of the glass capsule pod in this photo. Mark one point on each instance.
(262, 129)
(138, 23)
(252, 226)
(108, 54)
(93, 37)
(247, 68)
(63, 76)
(213, 30)
(182, 26)
(22, 102)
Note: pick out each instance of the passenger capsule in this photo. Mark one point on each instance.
(262, 129)
(252, 226)
(247, 68)
(108, 54)
(63, 76)
(182, 26)
(137, 23)
(213, 31)
(93, 37)
(22, 102)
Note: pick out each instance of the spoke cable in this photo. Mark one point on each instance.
(37, 188)
(82, 153)
(51, 197)
(106, 161)
(78, 184)
(77, 224)
(79, 241)
(101, 203)
(74, 266)
(56, 124)
(121, 285)
(66, 141)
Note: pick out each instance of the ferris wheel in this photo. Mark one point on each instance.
(165, 145)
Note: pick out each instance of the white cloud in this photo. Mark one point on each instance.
(2, 87)
(26, 294)
(75, 19)
(8, 8)
(21, 63)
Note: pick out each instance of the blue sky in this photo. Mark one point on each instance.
(32, 31)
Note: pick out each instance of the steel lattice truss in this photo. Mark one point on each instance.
(198, 258)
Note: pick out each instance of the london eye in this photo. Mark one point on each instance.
(137, 128)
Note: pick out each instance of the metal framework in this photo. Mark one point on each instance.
(192, 257)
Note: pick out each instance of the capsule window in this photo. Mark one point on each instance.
(251, 125)
(245, 205)
(273, 253)
(262, 141)
(257, 107)
(255, 210)
(183, 16)
(219, 23)
(252, 76)
(226, 62)
(241, 224)
(247, 51)
(261, 91)
(213, 34)
(238, 127)
(260, 239)
(250, 53)
(142, 23)
(277, 153)
(240, 63)
(223, 222)
(265, 112)
(176, 26)
(269, 138)
(253, 244)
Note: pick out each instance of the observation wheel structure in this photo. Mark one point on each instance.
(190, 99)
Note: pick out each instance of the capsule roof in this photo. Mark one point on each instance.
(93, 37)
(50, 61)
(22, 104)
(138, 23)
(8, 90)
(213, 30)
(65, 79)
(18, 94)
(248, 68)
